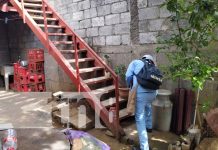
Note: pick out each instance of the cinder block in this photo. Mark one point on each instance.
(92, 32)
(90, 13)
(111, 1)
(119, 7)
(155, 25)
(143, 26)
(98, 21)
(155, 2)
(104, 10)
(125, 39)
(113, 40)
(81, 32)
(148, 38)
(125, 17)
(78, 16)
(106, 30)
(85, 23)
(142, 3)
(99, 41)
(73, 7)
(112, 19)
(149, 13)
(164, 12)
(74, 24)
(85, 4)
(122, 28)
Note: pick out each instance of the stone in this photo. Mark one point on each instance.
(143, 26)
(155, 2)
(85, 23)
(81, 32)
(106, 30)
(164, 12)
(149, 13)
(113, 40)
(104, 10)
(119, 7)
(92, 32)
(142, 3)
(100, 40)
(112, 19)
(98, 21)
(122, 28)
(111, 1)
(125, 17)
(84, 5)
(125, 39)
(155, 25)
(74, 24)
(78, 16)
(73, 7)
(148, 38)
(90, 13)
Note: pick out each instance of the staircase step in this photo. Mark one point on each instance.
(62, 42)
(81, 60)
(42, 18)
(123, 114)
(51, 26)
(72, 51)
(58, 34)
(33, 1)
(33, 5)
(86, 70)
(38, 11)
(97, 80)
(104, 90)
(111, 101)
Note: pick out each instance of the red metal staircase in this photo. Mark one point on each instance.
(84, 67)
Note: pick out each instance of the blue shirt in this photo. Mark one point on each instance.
(134, 67)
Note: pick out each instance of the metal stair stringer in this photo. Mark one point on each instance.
(66, 66)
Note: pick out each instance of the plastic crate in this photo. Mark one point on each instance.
(36, 78)
(40, 87)
(16, 66)
(36, 55)
(22, 71)
(36, 67)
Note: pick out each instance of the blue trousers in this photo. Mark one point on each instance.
(143, 117)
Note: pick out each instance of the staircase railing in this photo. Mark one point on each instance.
(24, 18)
(98, 60)
(45, 24)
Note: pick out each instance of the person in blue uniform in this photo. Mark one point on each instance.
(144, 99)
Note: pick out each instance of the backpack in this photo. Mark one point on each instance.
(149, 77)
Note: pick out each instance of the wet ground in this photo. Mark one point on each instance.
(36, 130)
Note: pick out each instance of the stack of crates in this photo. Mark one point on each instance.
(32, 78)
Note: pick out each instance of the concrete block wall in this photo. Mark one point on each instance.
(117, 27)
(100, 23)
(4, 51)
(21, 38)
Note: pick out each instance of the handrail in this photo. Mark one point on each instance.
(45, 24)
(76, 62)
(24, 18)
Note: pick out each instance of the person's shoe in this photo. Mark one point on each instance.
(149, 130)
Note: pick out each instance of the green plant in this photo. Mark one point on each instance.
(120, 70)
(196, 22)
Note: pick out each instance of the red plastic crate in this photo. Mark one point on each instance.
(36, 67)
(23, 79)
(36, 55)
(22, 71)
(36, 78)
(17, 87)
(38, 87)
(25, 88)
(16, 66)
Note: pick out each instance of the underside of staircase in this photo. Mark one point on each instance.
(84, 67)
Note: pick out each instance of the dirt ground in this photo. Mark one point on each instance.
(36, 131)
